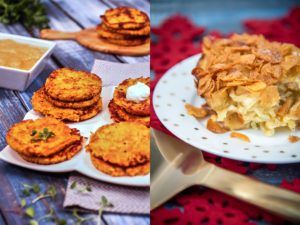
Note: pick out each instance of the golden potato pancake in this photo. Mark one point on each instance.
(40, 104)
(118, 171)
(64, 155)
(112, 35)
(19, 137)
(137, 108)
(129, 42)
(124, 144)
(71, 85)
(113, 112)
(125, 18)
(144, 31)
(73, 105)
(130, 117)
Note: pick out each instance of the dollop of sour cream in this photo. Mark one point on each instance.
(138, 92)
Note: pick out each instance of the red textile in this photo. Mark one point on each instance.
(196, 206)
(179, 39)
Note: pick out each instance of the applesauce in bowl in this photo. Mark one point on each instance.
(19, 55)
(22, 59)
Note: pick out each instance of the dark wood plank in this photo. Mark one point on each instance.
(89, 17)
(2, 221)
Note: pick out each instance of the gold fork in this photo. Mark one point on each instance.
(186, 167)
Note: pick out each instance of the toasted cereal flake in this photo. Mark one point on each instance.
(215, 127)
(257, 86)
(234, 120)
(196, 112)
(240, 136)
(284, 108)
(297, 113)
(294, 139)
(247, 59)
(269, 95)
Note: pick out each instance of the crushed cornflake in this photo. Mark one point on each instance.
(215, 127)
(240, 136)
(196, 112)
(294, 139)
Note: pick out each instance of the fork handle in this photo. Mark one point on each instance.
(277, 200)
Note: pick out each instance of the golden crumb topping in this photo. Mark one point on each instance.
(245, 60)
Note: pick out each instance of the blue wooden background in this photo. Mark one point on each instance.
(64, 15)
(226, 16)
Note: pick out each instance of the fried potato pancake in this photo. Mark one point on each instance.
(118, 171)
(40, 104)
(112, 35)
(19, 137)
(129, 42)
(71, 85)
(125, 18)
(137, 108)
(73, 105)
(130, 117)
(124, 144)
(144, 31)
(64, 155)
(113, 112)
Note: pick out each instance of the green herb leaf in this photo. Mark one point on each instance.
(30, 12)
(26, 192)
(61, 222)
(30, 212)
(79, 218)
(109, 204)
(52, 191)
(33, 133)
(104, 203)
(50, 214)
(36, 188)
(26, 186)
(86, 188)
(34, 222)
(73, 185)
(103, 200)
(89, 189)
(43, 136)
(23, 203)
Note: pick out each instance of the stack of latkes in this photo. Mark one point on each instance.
(124, 26)
(121, 149)
(44, 141)
(69, 95)
(122, 109)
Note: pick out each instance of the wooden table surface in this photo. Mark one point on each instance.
(226, 16)
(66, 16)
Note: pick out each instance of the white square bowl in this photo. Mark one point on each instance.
(18, 79)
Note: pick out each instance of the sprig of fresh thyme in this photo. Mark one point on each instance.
(41, 136)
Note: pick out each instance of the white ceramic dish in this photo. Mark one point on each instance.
(17, 79)
(81, 162)
(176, 88)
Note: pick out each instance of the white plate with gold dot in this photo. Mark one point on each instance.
(176, 88)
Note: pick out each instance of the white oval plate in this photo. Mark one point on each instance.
(80, 162)
(176, 88)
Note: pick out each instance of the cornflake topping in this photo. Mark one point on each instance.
(244, 60)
